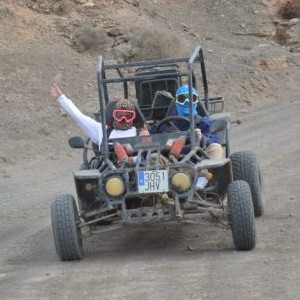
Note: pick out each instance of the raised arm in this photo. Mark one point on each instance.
(91, 127)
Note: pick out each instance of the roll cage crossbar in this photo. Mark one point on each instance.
(103, 81)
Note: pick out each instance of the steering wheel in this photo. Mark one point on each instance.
(169, 124)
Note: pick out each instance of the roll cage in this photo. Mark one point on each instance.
(147, 77)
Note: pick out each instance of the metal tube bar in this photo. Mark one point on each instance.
(104, 142)
(205, 85)
(144, 77)
(154, 63)
(95, 212)
(125, 85)
(98, 219)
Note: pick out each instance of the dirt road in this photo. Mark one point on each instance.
(179, 262)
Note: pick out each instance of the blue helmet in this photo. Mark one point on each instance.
(184, 89)
(182, 100)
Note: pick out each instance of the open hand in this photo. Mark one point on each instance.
(144, 130)
(55, 91)
(198, 133)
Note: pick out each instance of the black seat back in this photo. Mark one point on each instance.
(165, 79)
(160, 105)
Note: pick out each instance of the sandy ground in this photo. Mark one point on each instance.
(165, 262)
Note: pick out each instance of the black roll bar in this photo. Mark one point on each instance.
(103, 81)
(100, 74)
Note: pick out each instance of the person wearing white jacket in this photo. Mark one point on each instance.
(123, 115)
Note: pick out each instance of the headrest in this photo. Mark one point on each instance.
(138, 122)
(160, 105)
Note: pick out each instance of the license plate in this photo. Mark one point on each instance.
(155, 181)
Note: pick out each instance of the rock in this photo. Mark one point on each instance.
(114, 32)
(189, 248)
(294, 21)
(293, 34)
(295, 49)
(122, 52)
(296, 59)
(89, 4)
(3, 159)
(6, 13)
(195, 35)
(80, 1)
(185, 27)
(133, 2)
(275, 63)
(63, 113)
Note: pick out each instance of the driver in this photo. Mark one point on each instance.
(123, 114)
(211, 142)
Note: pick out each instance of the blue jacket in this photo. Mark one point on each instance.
(203, 123)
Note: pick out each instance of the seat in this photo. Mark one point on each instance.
(163, 79)
(225, 132)
(160, 105)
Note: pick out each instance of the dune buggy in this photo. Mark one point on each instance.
(154, 181)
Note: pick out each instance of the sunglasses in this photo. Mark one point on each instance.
(124, 114)
(180, 99)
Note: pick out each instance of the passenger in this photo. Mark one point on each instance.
(210, 141)
(123, 114)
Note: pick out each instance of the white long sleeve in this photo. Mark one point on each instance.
(91, 127)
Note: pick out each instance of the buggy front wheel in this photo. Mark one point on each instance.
(241, 215)
(245, 166)
(65, 226)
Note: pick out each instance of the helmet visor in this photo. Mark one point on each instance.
(124, 114)
(182, 98)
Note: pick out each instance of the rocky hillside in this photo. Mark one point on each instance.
(252, 51)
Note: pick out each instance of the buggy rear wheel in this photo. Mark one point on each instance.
(245, 166)
(65, 226)
(241, 215)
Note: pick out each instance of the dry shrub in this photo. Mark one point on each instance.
(289, 9)
(58, 7)
(154, 43)
(88, 39)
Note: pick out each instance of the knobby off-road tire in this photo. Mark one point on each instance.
(66, 233)
(245, 166)
(241, 215)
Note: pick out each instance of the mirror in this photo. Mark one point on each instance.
(76, 142)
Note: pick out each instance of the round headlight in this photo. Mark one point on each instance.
(115, 187)
(181, 182)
